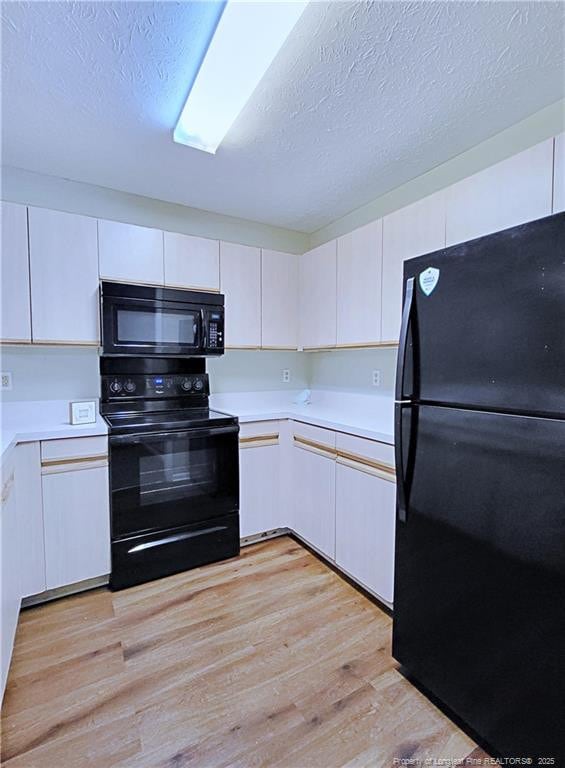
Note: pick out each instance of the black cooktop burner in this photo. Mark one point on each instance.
(161, 421)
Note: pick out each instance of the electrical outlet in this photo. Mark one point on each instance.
(376, 378)
(286, 375)
(6, 381)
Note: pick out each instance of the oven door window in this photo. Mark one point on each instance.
(167, 481)
(160, 327)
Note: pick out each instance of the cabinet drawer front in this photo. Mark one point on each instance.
(352, 447)
(74, 448)
(307, 432)
(258, 429)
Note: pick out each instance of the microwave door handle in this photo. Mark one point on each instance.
(203, 330)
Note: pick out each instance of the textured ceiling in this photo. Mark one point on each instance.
(362, 97)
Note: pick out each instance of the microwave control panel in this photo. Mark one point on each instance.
(155, 385)
(215, 329)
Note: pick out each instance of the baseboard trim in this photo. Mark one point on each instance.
(68, 589)
(275, 533)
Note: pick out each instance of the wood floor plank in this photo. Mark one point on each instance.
(269, 659)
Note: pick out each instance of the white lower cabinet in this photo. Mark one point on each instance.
(259, 477)
(77, 526)
(365, 523)
(30, 518)
(10, 566)
(76, 515)
(313, 478)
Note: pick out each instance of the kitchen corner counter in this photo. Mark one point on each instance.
(369, 416)
(28, 421)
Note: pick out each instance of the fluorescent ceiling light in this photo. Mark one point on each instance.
(247, 39)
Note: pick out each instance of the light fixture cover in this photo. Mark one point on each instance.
(247, 39)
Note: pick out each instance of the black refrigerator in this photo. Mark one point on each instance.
(479, 598)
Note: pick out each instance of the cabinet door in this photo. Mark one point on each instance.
(314, 499)
(559, 174)
(416, 229)
(129, 253)
(10, 565)
(30, 515)
(359, 277)
(240, 281)
(318, 300)
(15, 299)
(77, 525)
(365, 523)
(191, 262)
(279, 299)
(506, 194)
(259, 467)
(64, 277)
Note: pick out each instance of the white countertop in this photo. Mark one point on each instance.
(27, 421)
(370, 416)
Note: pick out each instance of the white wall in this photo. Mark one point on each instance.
(50, 373)
(58, 373)
(257, 370)
(351, 370)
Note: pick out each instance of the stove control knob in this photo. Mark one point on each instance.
(130, 386)
(186, 385)
(116, 387)
(199, 385)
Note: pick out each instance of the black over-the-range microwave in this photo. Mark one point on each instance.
(145, 320)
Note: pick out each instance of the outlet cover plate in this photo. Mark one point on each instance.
(6, 381)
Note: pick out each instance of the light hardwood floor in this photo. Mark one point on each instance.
(270, 659)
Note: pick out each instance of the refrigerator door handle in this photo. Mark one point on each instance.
(401, 360)
(399, 462)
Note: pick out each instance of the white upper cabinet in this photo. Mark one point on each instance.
(359, 277)
(192, 262)
(64, 277)
(411, 231)
(240, 281)
(16, 315)
(318, 299)
(279, 299)
(506, 194)
(559, 174)
(129, 253)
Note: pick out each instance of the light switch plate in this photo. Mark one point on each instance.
(83, 412)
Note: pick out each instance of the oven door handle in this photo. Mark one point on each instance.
(147, 437)
(174, 538)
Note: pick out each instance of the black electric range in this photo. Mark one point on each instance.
(174, 469)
